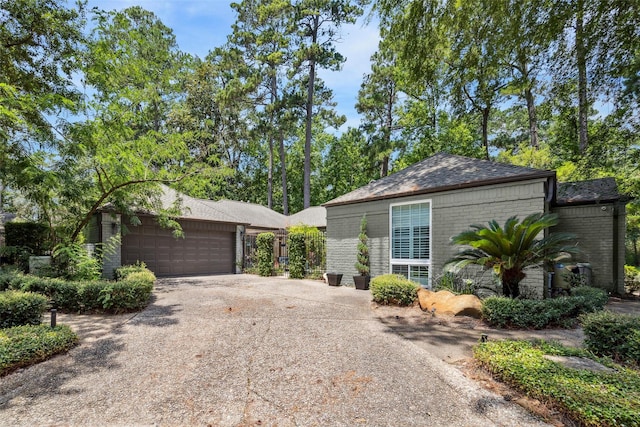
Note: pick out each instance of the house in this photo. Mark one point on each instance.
(412, 215)
(213, 241)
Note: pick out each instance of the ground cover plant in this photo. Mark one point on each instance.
(589, 398)
(393, 289)
(522, 313)
(26, 345)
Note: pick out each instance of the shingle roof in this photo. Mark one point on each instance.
(193, 208)
(250, 213)
(585, 192)
(440, 172)
(315, 216)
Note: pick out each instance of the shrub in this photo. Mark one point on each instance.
(74, 262)
(520, 313)
(393, 289)
(126, 295)
(141, 276)
(264, 241)
(25, 345)
(631, 278)
(31, 235)
(297, 260)
(21, 308)
(123, 271)
(613, 335)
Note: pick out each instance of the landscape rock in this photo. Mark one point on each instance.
(447, 303)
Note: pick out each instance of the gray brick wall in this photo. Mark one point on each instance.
(452, 213)
(600, 234)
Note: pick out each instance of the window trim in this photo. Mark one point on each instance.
(411, 261)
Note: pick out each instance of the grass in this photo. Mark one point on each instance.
(22, 346)
(589, 398)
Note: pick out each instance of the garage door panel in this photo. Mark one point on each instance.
(207, 248)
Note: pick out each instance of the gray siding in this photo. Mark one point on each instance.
(452, 213)
(600, 231)
(112, 259)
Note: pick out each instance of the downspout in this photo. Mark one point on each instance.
(616, 251)
(549, 200)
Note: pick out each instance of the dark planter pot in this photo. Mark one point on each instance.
(334, 279)
(362, 282)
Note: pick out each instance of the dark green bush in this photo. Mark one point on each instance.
(521, 313)
(126, 295)
(264, 241)
(131, 293)
(25, 345)
(21, 308)
(123, 271)
(613, 335)
(32, 235)
(297, 261)
(393, 289)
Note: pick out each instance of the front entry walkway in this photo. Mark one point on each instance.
(241, 351)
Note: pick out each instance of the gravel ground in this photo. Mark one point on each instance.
(242, 351)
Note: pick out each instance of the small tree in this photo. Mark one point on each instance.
(264, 241)
(362, 265)
(512, 249)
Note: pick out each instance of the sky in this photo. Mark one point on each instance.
(201, 25)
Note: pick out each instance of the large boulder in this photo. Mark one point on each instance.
(445, 302)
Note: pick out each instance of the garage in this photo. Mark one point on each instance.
(206, 248)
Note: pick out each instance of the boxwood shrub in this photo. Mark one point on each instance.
(131, 293)
(123, 271)
(297, 260)
(613, 335)
(21, 308)
(26, 345)
(264, 242)
(537, 314)
(393, 289)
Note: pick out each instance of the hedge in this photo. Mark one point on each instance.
(393, 289)
(264, 241)
(26, 345)
(131, 293)
(613, 335)
(21, 308)
(537, 314)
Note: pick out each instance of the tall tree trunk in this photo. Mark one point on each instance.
(581, 62)
(283, 166)
(274, 94)
(384, 171)
(533, 119)
(485, 131)
(306, 190)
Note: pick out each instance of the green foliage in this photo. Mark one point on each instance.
(455, 283)
(264, 242)
(509, 250)
(31, 235)
(613, 335)
(297, 259)
(631, 278)
(123, 271)
(362, 265)
(21, 308)
(393, 289)
(588, 398)
(131, 293)
(74, 262)
(505, 312)
(22, 346)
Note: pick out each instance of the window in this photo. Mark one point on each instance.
(410, 231)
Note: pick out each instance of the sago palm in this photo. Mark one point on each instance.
(509, 250)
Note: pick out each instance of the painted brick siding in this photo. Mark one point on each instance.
(595, 226)
(452, 213)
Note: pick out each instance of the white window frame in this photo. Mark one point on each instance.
(411, 262)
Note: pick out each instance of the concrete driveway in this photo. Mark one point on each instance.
(241, 351)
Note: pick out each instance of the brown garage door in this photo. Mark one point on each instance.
(207, 248)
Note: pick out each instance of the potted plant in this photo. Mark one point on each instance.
(362, 264)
